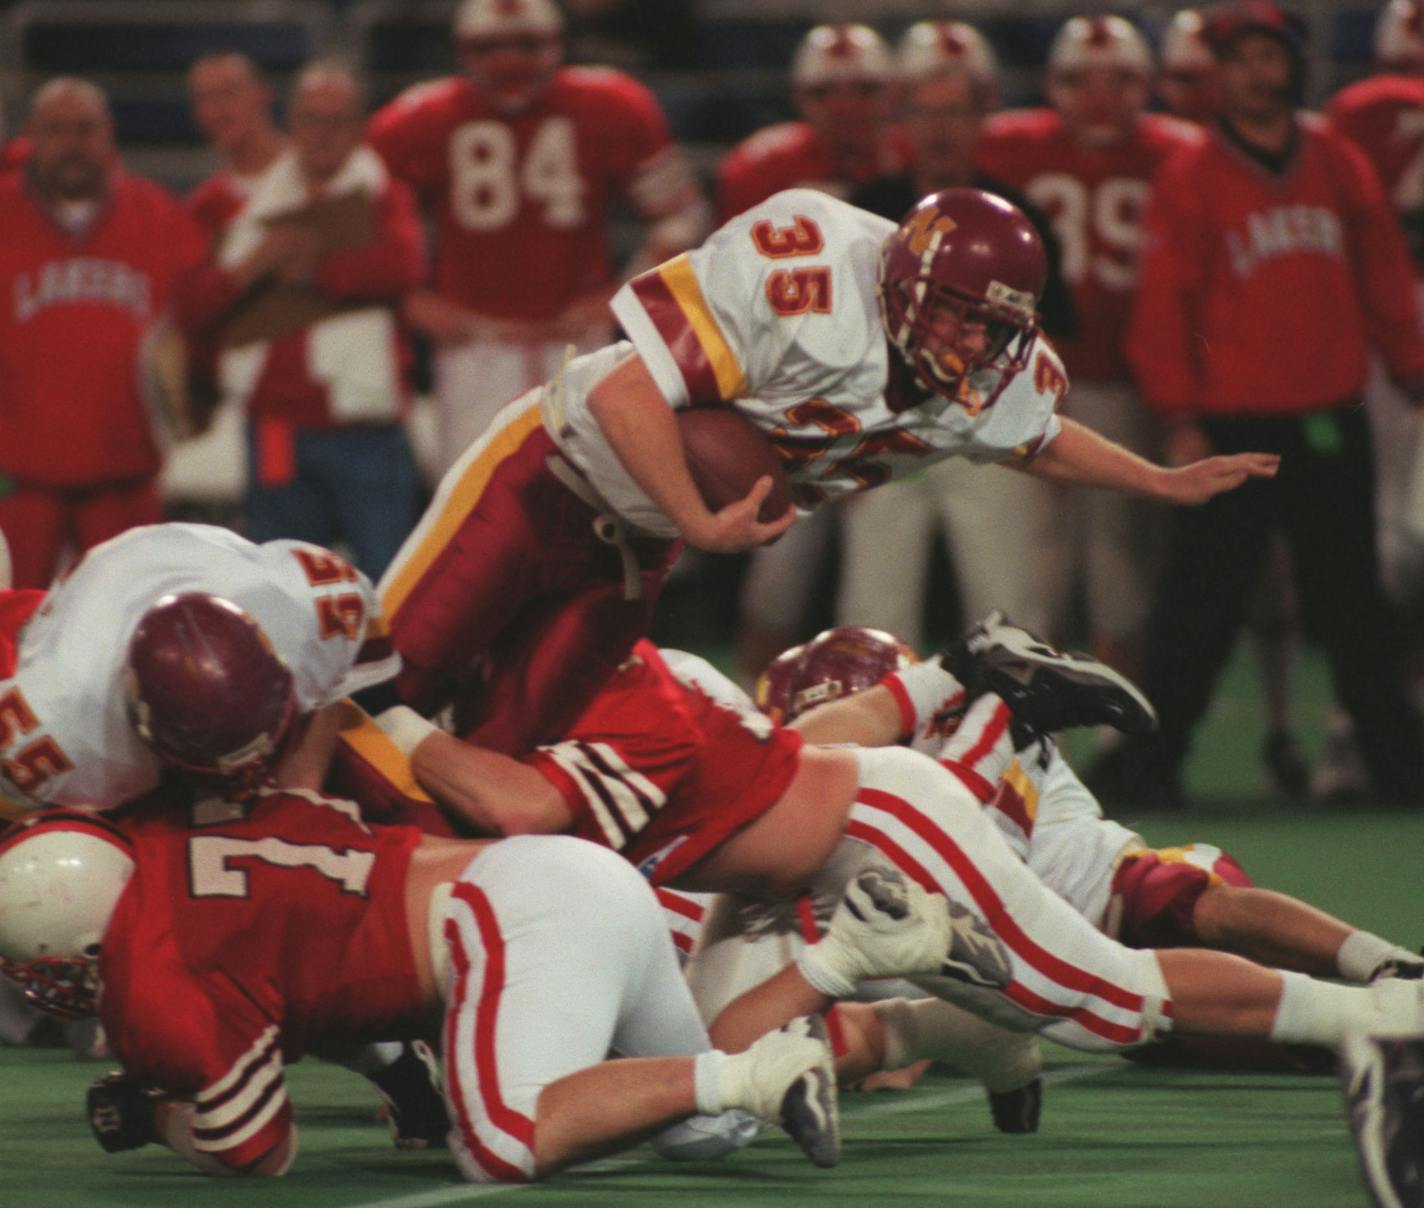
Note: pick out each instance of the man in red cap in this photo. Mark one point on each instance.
(1272, 266)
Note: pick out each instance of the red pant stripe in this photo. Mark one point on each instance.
(1016, 991)
(503, 1117)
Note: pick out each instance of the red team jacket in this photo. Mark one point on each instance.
(1095, 199)
(521, 205)
(1262, 293)
(74, 311)
(234, 948)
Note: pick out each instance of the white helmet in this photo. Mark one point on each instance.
(931, 46)
(480, 19)
(1182, 46)
(1099, 41)
(1399, 34)
(829, 54)
(61, 874)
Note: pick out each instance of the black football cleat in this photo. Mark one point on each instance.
(1018, 1110)
(1049, 689)
(1383, 1082)
(410, 1088)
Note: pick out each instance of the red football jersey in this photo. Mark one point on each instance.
(13, 156)
(1384, 115)
(247, 936)
(792, 155)
(521, 205)
(1263, 292)
(16, 607)
(660, 772)
(1096, 199)
(75, 308)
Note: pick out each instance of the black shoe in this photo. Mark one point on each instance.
(1404, 968)
(1017, 1111)
(415, 1104)
(1383, 1081)
(1049, 689)
(1285, 763)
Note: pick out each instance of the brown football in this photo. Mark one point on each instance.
(727, 454)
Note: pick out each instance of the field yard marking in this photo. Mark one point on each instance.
(897, 1105)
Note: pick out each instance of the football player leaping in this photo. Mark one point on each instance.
(862, 350)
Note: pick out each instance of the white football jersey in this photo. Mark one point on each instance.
(65, 735)
(778, 315)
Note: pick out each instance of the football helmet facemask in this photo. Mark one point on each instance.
(963, 261)
(61, 874)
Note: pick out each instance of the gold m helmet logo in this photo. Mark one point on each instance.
(922, 228)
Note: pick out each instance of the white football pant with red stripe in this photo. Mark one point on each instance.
(1068, 980)
(558, 954)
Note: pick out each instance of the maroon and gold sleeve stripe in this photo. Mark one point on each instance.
(673, 300)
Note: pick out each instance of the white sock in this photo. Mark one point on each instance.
(1317, 1012)
(707, 1080)
(1363, 952)
(931, 1028)
(373, 1058)
(967, 746)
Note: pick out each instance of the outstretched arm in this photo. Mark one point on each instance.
(1079, 454)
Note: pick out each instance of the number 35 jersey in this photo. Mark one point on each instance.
(521, 204)
(65, 734)
(778, 315)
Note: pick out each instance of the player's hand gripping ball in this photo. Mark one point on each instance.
(726, 454)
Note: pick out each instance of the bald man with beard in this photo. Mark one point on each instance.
(89, 258)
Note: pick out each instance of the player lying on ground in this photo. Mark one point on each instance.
(1013, 950)
(862, 350)
(221, 942)
(847, 685)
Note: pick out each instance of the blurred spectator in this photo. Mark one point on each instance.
(947, 75)
(519, 162)
(1088, 161)
(1384, 115)
(232, 105)
(842, 80)
(1186, 83)
(634, 33)
(302, 297)
(1186, 76)
(1272, 264)
(88, 260)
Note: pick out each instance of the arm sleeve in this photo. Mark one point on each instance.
(1160, 345)
(1384, 272)
(391, 264)
(406, 137)
(244, 1114)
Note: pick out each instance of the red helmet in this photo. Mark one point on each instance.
(206, 690)
(976, 255)
(773, 686)
(842, 661)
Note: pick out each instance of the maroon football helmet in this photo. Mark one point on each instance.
(840, 662)
(206, 690)
(971, 255)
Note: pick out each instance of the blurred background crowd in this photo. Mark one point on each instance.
(276, 263)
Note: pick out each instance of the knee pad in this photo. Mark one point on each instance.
(1154, 893)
